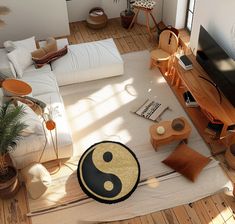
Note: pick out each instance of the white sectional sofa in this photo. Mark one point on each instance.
(83, 62)
(88, 61)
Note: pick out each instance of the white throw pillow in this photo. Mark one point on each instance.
(37, 179)
(21, 59)
(28, 44)
(6, 67)
(32, 120)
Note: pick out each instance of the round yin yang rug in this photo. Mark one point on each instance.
(108, 172)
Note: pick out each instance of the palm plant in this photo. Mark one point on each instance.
(10, 131)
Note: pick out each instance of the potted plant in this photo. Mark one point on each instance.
(126, 15)
(10, 133)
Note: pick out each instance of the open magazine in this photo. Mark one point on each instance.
(151, 109)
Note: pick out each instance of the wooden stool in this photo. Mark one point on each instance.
(170, 134)
(147, 12)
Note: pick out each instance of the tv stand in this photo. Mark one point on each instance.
(212, 83)
(213, 107)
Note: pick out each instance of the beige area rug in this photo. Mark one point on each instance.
(100, 110)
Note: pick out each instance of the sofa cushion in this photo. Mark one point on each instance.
(51, 46)
(187, 161)
(88, 61)
(41, 82)
(31, 119)
(6, 67)
(21, 59)
(32, 70)
(37, 179)
(59, 42)
(28, 44)
(31, 147)
(49, 57)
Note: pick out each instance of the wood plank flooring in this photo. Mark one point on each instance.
(135, 40)
(216, 209)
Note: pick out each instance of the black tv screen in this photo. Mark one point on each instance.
(218, 65)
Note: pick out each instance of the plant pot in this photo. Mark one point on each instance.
(126, 19)
(230, 156)
(9, 185)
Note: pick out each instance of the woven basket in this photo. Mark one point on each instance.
(96, 21)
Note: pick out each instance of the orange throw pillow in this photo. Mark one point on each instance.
(186, 161)
(51, 46)
(48, 58)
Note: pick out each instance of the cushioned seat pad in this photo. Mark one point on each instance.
(88, 61)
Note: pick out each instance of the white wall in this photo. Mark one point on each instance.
(78, 9)
(39, 18)
(218, 18)
(169, 12)
(174, 12)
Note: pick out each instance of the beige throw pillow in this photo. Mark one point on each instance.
(51, 46)
(37, 179)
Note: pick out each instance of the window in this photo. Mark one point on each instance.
(190, 13)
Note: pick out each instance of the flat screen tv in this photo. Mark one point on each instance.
(218, 65)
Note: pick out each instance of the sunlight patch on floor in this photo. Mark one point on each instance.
(161, 80)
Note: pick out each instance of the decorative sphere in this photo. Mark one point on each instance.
(50, 125)
(160, 130)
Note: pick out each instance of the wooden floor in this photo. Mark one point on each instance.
(135, 40)
(217, 209)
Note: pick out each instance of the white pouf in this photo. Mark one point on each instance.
(37, 179)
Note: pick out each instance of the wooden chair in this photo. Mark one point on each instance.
(168, 45)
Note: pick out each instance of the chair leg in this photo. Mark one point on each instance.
(134, 19)
(148, 25)
(155, 23)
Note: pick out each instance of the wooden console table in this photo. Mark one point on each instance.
(208, 99)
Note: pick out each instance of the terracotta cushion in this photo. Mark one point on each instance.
(39, 62)
(51, 46)
(186, 161)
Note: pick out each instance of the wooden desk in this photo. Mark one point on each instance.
(206, 96)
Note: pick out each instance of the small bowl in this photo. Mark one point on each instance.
(178, 124)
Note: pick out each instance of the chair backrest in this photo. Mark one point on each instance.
(168, 41)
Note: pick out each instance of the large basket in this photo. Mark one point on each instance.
(97, 18)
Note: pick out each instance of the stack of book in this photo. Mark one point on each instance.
(189, 100)
(185, 62)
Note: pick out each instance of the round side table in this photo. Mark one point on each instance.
(169, 135)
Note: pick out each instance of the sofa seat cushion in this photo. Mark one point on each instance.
(6, 67)
(33, 69)
(41, 82)
(31, 147)
(88, 61)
